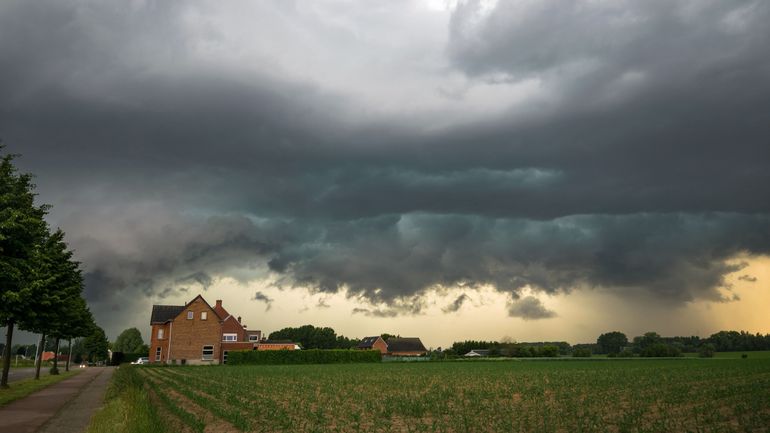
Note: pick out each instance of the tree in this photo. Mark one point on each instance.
(129, 341)
(311, 337)
(22, 229)
(612, 342)
(95, 344)
(647, 340)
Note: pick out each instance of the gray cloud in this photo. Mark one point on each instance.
(529, 308)
(748, 278)
(174, 154)
(455, 305)
(261, 297)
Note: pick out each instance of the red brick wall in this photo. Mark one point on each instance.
(156, 342)
(190, 335)
(380, 345)
(232, 326)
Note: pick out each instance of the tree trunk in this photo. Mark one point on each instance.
(39, 357)
(67, 367)
(7, 353)
(55, 369)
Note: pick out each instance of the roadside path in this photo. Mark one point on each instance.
(79, 396)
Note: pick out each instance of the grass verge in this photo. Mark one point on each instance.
(26, 387)
(127, 407)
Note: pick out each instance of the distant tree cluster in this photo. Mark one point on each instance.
(311, 337)
(40, 284)
(511, 349)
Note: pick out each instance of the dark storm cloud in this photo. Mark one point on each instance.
(261, 297)
(456, 304)
(644, 167)
(529, 308)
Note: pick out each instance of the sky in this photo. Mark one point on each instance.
(475, 169)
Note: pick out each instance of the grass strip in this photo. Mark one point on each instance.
(26, 387)
(127, 407)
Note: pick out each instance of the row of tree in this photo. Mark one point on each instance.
(311, 337)
(616, 343)
(40, 284)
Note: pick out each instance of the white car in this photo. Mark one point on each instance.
(141, 361)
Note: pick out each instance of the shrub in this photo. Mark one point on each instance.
(548, 351)
(581, 353)
(707, 351)
(626, 353)
(310, 356)
(660, 350)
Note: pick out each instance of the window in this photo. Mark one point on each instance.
(204, 315)
(224, 357)
(208, 353)
(229, 337)
(189, 315)
(160, 334)
(254, 337)
(157, 354)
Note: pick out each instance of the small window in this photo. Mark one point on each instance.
(157, 354)
(254, 337)
(208, 353)
(190, 315)
(204, 315)
(160, 334)
(229, 337)
(224, 357)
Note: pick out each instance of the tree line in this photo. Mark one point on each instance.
(41, 285)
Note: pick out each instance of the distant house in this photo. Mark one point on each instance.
(197, 333)
(48, 356)
(477, 352)
(410, 346)
(373, 343)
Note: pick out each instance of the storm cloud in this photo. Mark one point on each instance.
(387, 153)
(529, 308)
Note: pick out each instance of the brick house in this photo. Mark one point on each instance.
(373, 343)
(197, 333)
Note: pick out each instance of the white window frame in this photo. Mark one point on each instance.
(160, 333)
(229, 337)
(204, 315)
(190, 315)
(253, 337)
(204, 356)
(158, 352)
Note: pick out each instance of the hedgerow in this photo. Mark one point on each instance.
(310, 356)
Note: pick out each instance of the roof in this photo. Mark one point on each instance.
(478, 352)
(409, 344)
(164, 313)
(367, 342)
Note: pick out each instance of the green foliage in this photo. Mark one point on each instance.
(127, 407)
(95, 345)
(310, 356)
(707, 351)
(581, 353)
(129, 341)
(611, 342)
(660, 350)
(311, 337)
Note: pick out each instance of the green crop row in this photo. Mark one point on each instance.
(590, 396)
(311, 356)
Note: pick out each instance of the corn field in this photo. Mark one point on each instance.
(686, 395)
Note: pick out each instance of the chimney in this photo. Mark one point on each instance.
(219, 303)
(239, 319)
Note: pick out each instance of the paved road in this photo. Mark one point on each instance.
(63, 407)
(17, 374)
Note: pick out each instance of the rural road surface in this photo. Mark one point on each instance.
(64, 407)
(17, 374)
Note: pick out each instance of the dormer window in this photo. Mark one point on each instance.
(190, 315)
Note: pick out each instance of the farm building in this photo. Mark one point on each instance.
(409, 346)
(477, 352)
(373, 343)
(197, 333)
